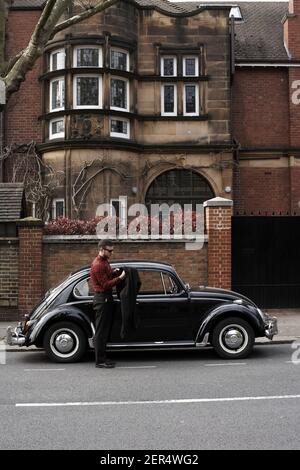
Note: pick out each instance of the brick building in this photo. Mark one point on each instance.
(157, 99)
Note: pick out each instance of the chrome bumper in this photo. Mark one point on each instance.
(271, 328)
(14, 336)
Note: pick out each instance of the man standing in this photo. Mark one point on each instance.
(103, 280)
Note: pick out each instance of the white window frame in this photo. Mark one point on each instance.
(62, 60)
(162, 65)
(196, 65)
(100, 57)
(117, 49)
(59, 135)
(75, 105)
(115, 108)
(62, 81)
(163, 113)
(54, 201)
(196, 113)
(118, 134)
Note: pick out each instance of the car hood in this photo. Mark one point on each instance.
(213, 292)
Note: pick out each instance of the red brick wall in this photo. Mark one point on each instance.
(24, 108)
(262, 191)
(261, 107)
(59, 259)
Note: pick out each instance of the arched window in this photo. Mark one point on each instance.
(179, 186)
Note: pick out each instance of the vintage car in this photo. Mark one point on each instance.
(170, 315)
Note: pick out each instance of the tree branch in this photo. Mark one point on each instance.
(83, 16)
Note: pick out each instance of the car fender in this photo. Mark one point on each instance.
(62, 313)
(230, 310)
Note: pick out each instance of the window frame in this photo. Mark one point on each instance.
(197, 111)
(57, 51)
(57, 79)
(163, 57)
(59, 135)
(116, 108)
(196, 65)
(100, 57)
(100, 84)
(54, 202)
(174, 113)
(118, 49)
(117, 134)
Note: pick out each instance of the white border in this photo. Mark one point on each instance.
(117, 49)
(58, 51)
(77, 106)
(115, 108)
(163, 113)
(196, 113)
(61, 80)
(100, 57)
(59, 135)
(196, 65)
(162, 65)
(118, 134)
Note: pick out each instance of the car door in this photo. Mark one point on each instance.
(163, 311)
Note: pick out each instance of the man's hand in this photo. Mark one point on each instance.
(122, 275)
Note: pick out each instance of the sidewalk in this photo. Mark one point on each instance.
(288, 326)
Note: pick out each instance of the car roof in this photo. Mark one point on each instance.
(132, 263)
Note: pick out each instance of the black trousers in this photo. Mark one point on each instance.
(103, 305)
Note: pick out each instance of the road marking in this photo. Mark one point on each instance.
(136, 367)
(227, 364)
(39, 370)
(157, 402)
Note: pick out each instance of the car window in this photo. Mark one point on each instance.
(151, 283)
(169, 284)
(84, 288)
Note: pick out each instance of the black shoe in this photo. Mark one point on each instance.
(105, 365)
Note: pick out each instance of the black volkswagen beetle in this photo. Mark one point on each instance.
(170, 313)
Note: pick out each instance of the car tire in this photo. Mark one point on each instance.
(233, 338)
(65, 342)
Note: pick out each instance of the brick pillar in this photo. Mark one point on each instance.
(30, 263)
(218, 213)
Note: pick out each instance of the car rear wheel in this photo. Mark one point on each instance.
(65, 342)
(233, 338)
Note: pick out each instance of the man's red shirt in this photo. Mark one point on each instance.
(102, 275)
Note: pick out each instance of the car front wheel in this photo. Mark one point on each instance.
(233, 338)
(65, 342)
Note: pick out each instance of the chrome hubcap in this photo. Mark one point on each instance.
(64, 343)
(233, 339)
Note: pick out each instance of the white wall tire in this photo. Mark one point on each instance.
(233, 338)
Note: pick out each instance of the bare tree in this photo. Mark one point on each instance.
(48, 25)
(40, 180)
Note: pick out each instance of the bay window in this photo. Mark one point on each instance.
(57, 94)
(57, 60)
(87, 57)
(57, 129)
(119, 94)
(87, 91)
(119, 59)
(119, 128)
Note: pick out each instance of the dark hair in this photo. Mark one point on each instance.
(104, 243)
